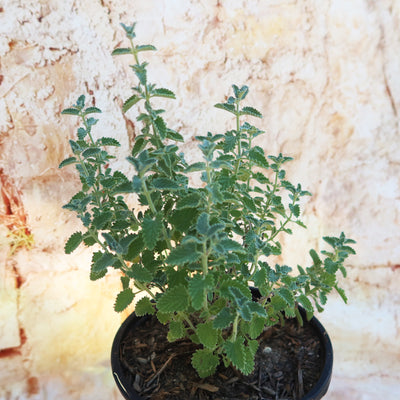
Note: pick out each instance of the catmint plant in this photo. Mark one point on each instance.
(195, 251)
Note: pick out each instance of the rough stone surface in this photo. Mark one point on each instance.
(325, 75)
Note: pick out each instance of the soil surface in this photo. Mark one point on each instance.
(288, 364)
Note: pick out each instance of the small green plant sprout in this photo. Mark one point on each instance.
(196, 251)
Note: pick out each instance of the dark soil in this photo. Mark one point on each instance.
(288, 364)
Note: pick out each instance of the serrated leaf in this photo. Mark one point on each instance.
(197, 286)
(342, 293)
(227, 107)
(100, 261)
(287, 295)
(139, 273)
(162, 92)
(165, 184)
(121, 51)
(223, 319)
(199, 166)
(112, 243)
(316, 260)
(164, 318)
(190, 201)
(202, 224)
(90, 152)
(151, 229)
(183, 253)
(260, 278)
(250, 111)
(92, 110)
(145, 47)
(205, 362)
(123, 300)
(67, 161)
(235, 352)
(232, 245)
(257, 155)
(207, 335)
(176, 331)
(95, 275)
(125, 282)
(171, 134)
(107, 141)
(144, 306)
(174, 300)
(305, 302)
(70, 111)
(256, 326)
(161, 127)
(130, 102)
(330, 266)
(73, 242)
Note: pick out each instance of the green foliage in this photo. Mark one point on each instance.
(195, 250)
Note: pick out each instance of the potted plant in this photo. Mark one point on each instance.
(193, 253)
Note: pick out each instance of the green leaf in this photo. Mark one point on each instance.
(286, 295)
(151, 229)
(73, 242)
(171, 134)
(92, 110)
(256, 326)
(162, 92)
(250, 111)
(342, 293)
(207, 335)
(145, 47)
(197, 286)
(90, 152)
(305, 302)
(235, 352)
(199, 166)
(70, 111)
(227, 107)
(107, 141)
(330, 266)
(144, 306)
(100, 261)
(256, 154)
(123, 300)
(121, 51)
(161, 127)
(190, 201)
(316, 260)
(112, 243)
(223, 319)
(174, 300)
(130, 102)
(139, 273)
(232, 245)
(176, 331)
(202, 225)
(184, 218)
(94, 275)
(125, 282)
(205, 362)
(165, 184)
(67, 161)
(183, 253)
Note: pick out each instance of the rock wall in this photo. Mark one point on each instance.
(325, 75)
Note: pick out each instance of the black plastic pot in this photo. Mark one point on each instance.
(316, 393)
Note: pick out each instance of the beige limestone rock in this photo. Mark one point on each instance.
(325, 74)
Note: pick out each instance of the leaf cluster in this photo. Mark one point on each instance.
(195, 251)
